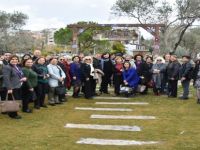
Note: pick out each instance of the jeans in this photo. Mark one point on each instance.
(185, 85)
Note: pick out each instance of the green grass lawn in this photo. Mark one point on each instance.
(177, 126)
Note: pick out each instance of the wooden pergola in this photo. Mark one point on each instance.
(153, 29)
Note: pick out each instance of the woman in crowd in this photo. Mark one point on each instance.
(164, 89)
(158, 71)
(2, 91)
(117, 75)
(25, 57)
(67, 62)
(28, 86)
(42, 86)
(75, 70)
(148, 77)
(98, 73)
(62, 65)
(186, 71)
(13, 79)
(131, 60)
(56, 79)
(141, 68)
(130, 76)
(196, 78)
(87, 79)
(173, 76)
(107, 68)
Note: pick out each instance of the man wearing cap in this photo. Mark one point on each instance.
(185, 76)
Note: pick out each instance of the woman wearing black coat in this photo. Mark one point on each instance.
(107, 67)
(87, 70)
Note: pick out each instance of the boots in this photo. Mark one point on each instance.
(198, 101)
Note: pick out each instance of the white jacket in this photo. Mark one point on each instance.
(54, 71)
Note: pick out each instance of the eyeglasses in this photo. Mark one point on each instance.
(87, 59)
(159, 60)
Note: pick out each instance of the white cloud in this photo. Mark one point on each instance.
(42, 23)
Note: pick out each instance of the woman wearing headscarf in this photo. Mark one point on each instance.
(158, 71)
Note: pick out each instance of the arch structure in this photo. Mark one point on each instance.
(153, 29)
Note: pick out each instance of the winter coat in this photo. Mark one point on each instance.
(173, 70)
(186, 71)
(75, 69)
(55, 73)
(12, 77)
(42, 72)
(131, 77)
(158, 77)
(31, 76)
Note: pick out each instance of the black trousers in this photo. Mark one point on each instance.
(104, 84)
(118, 80)
(172, 88)
(93, 86)
(26, 98)
(89, 88)
(40, 90)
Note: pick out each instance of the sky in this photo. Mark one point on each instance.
(58, 13)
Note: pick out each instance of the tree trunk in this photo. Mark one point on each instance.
(181, 36)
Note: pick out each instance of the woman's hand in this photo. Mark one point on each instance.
(23, 79)
(31, 89)
(74, 78)
(10, 91)
(61, 79)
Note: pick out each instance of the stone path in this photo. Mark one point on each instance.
(117, 128)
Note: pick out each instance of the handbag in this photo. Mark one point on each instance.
(141, 88)
(60, 90)
(9, 105)
(150, 84)
(125, 89)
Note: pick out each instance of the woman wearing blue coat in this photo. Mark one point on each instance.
(76, 75)
(130, 76)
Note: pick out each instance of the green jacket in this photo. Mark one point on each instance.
(31, 76)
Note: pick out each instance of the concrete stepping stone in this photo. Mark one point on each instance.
(94, 141)
(121, 103)
(94, 116)
(102, 109)
(103, 127)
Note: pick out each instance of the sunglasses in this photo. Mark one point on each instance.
(159, 60)
(61, 59)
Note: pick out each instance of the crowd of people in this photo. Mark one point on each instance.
(31, 78)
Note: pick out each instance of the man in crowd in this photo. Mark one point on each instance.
(185, 76)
